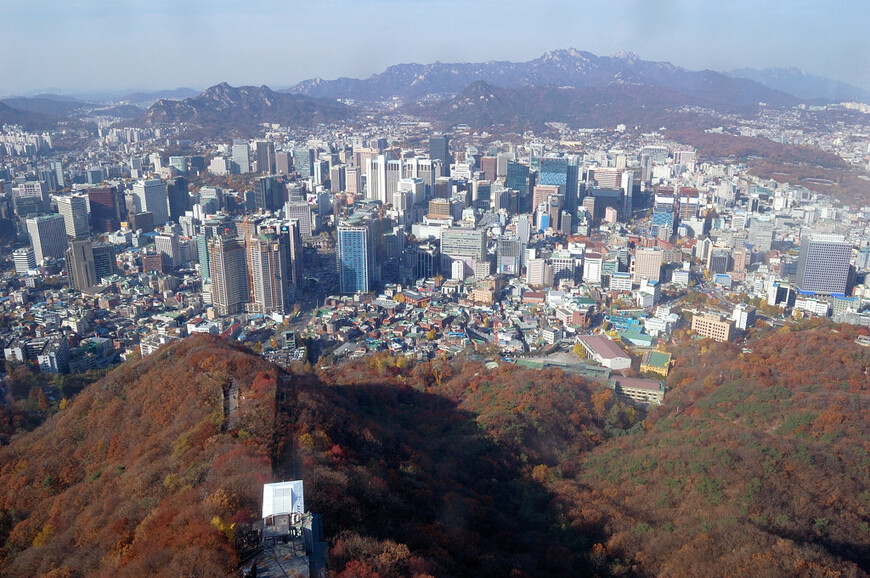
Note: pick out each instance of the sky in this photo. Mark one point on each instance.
(71, 46)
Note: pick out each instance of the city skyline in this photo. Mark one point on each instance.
(161, 45)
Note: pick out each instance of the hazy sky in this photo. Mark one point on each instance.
(87, 45)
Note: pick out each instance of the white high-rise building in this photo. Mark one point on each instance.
(301, 212)
(75, 215)
(169, 246)
(593, 263)
(150, 196)
(47, 236)
(24, 260)
(242, 157)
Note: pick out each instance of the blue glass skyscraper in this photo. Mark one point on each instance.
(554, 171)
(354, 253)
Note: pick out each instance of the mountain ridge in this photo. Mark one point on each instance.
(803, 85)
(562, 67)
(222, 109)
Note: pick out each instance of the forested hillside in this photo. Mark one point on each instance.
(758, 464)
(439, 469)
(145, 472)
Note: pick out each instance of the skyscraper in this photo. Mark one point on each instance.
(229, 273)
(354, 258)
(47, 236)
(168, 245)
(75, 215)
(303, 162)
(24, 260)
(179, 198)
(242, 156)
(823, 265)
(439, 149)
(150, 197)
(104, 259)
(518, 179)
(275, 268)
(464, 243)
(105, 209)
(554, 171)
(301, 212)
(647, 264)
(267, 194)
(266, 157)
(80, 265)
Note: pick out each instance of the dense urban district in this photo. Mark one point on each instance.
(384, 235)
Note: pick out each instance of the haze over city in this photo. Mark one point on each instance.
(90, 45)
(434, 289)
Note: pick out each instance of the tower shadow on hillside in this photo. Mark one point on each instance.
(386, 462)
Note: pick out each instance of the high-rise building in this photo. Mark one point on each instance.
(242, 156)
(24, 260)
(179, 163)
(168, 245)
(719, 261)
(743, 316)
(647, 264)
(542, 193)
(355, 254)
(267, 194)
(179, 198)
(30, 197)
(299, 211)
(57, 167)
(105, 263)
(283, 163)
(274, 255)
(229, 274)
(336, 178)
(554, 171)
(80, 265)
(518, 179)
(303, 162)
(47, 236)
(150, 196)
(439, 149)
(761, 234)
(266, 157)
(593, 265)
(509, 254)
(464, 243)
(352, 180)
(824, 265)
(105, 209)
(740, 258)
(75, 215)
(501, 164)
(489, 167)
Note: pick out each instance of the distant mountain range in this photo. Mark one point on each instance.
(563, 68)
(225, 109)
(483, 105)
(568, 86)
(802, 85)
(45, 111)
(146, 99)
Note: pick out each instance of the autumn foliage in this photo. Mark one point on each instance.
(127, 479)
(440, 468)
(758, 464)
